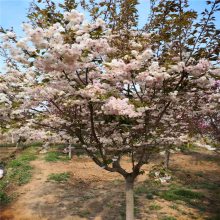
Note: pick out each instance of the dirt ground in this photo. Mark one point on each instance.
(93, 193)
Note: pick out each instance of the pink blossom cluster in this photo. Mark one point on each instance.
(117, 106)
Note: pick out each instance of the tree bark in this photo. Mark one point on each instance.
(129, 198)
(167, 159)
(12, 138)
(70, 151)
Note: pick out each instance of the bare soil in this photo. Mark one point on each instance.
(93, 193)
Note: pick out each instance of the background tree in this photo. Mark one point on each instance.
(181, 34)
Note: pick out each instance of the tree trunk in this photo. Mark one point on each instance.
(70, 151)
(167, 159)
(129, 198)
(12, 138)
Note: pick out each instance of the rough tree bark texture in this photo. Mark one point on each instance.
(129, 198)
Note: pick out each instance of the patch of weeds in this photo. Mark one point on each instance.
(24, 178)
(182, 194)
(84, 213)
(155, 206)
(136, 210)
(60, 146)
(199, 173)
(141, 190)
(4, 198)
(80, 154)
(19, 169)
(36, 144)
(168, 218)
(110, 205)
(59, 177)
(27, 157)
(87, 196)
(19, 172)
(122, 211)
(149, 188)
(54, 156)
(206, 185)
(199, 206)
(175, 207)
(212, 158)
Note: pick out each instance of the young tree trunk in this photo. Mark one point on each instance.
(129, 198)
(12, 138)
(167, 159)
(70, 151)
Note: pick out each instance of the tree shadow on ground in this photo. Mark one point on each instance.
(205, 180)
(82, 200)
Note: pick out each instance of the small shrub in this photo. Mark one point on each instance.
(59, 177)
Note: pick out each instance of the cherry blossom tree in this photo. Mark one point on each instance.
(205, 120)
(116, 103)
(178, 33)
(7, 103)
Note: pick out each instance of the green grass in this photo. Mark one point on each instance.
(84, 213)
(199, 173)
(149, 188)
(155, 206)
(182, 194)
(19, 172)
(174, 207)
(59, 177)
(206, 185)
(4, 198)
(54, 156)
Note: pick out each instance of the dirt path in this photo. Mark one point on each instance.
(93, 193)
